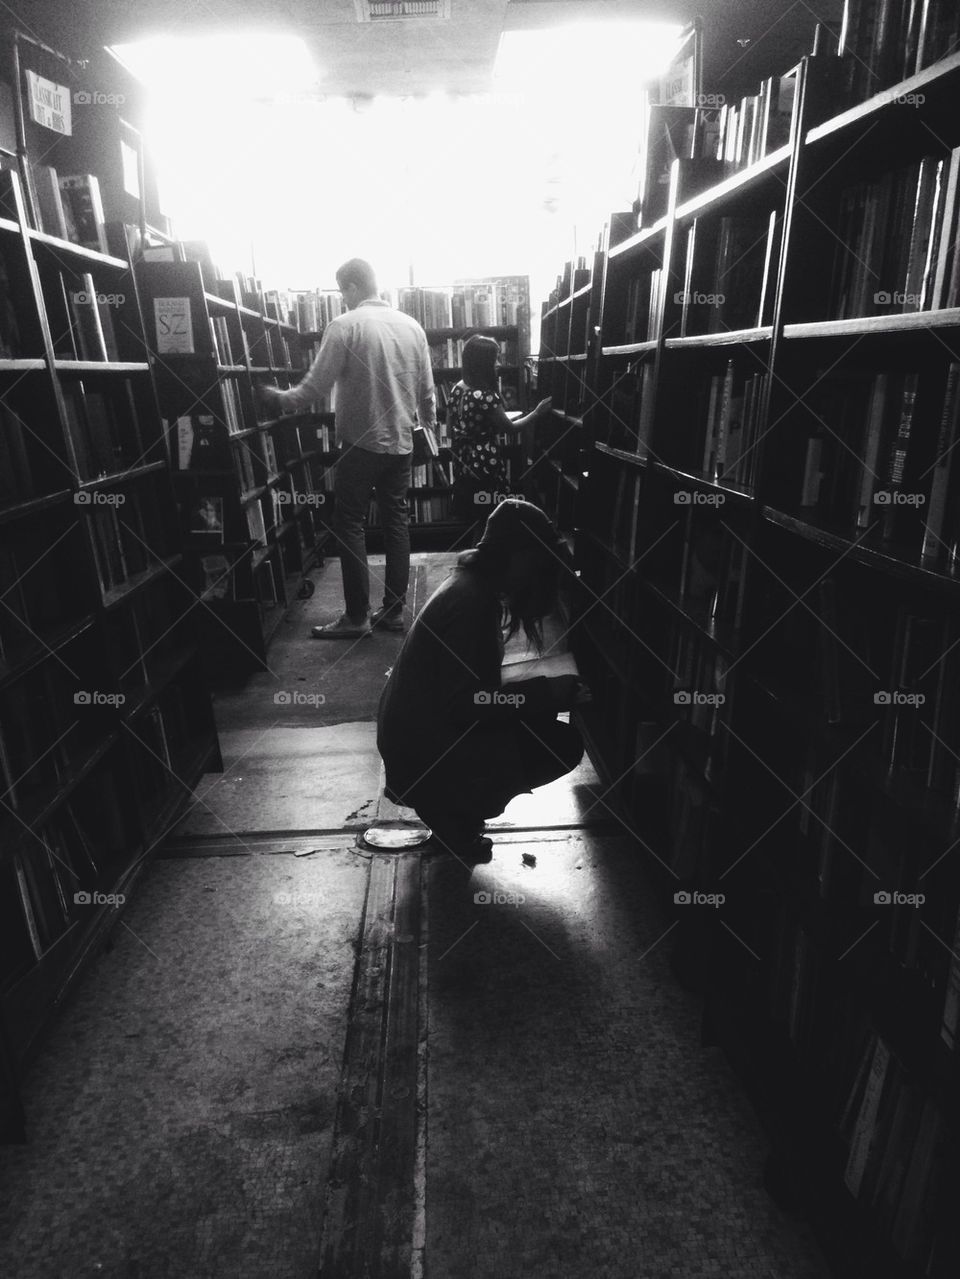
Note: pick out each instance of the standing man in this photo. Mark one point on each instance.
(379, 362)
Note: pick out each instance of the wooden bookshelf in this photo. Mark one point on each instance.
(756, 456)
(105, 716)
(253, 493)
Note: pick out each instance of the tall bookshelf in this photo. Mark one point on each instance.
(766, 528)
(253, 492)
(105, 717)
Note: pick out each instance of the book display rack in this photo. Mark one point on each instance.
(105, 716)
(754, 439)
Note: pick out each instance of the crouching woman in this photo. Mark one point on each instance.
(456, 746)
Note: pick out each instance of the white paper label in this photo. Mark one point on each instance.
(49, 104)
(174, 328)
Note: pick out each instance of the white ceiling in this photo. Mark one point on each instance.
(404, 57)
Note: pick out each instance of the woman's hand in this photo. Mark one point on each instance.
(544, 406)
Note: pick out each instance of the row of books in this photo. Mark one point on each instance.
(126, 540)
(315, 308)
(730, 273)
(880, 455)
(54, 886)
(70, 206)
(897, 241)
(713, 570)
(489, 303)
(448, 353)
(886, 41)
(220, 581)
(733, 134)
(103, 428)
(730, 413)
(627, 409)
(11, 344)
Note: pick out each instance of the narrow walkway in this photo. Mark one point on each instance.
(563, 1120)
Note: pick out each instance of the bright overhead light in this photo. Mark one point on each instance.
(250, 66)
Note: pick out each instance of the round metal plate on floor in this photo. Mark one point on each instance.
(396, 836)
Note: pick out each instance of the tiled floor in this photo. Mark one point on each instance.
(181, 1115)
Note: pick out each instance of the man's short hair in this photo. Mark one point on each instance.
(360, 273)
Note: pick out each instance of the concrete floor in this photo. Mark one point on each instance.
(182, 1114)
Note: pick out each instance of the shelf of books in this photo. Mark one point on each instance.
(105, 718)
(253, 493)
(496, 307)
(767, 523)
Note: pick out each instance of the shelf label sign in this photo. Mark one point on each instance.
(173, 326)
(49, 104)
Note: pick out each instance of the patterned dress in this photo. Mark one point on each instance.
(474, 428)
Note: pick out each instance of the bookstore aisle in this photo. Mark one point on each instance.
(189, 1115)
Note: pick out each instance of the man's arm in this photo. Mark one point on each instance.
(318, 380)
(427, 397)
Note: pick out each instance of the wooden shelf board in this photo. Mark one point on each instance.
(730, 337)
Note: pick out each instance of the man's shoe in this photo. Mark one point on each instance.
(387, 619)
(343, 628)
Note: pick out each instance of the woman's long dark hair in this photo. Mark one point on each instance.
(528, 582)
(480, 355)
